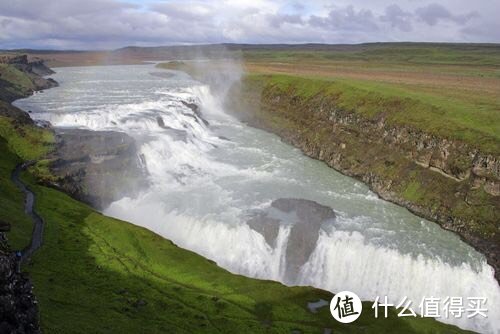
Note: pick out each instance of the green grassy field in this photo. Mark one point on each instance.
(450, 90)
(433, 114)
(390, 53)
(96, 274)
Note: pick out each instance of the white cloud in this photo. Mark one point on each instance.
(115, 23)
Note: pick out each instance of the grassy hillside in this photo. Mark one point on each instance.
(95, 274)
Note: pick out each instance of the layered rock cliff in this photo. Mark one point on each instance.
(20, 77)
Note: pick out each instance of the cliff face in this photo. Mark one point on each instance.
(19, 78)
(21, 62)
(443, 180)
(96, 167)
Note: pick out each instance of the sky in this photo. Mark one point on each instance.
(110, 24)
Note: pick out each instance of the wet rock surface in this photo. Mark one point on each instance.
(18, 306)
(97, 167)
(304, 218)
(174, 133)
(196, 110)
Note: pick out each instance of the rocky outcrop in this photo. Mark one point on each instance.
(21, 62)
(196, 110)
(28, 79)
(19, 116)
(304, 218)
(443, 180)
(20, 78)
(18, 306)
(97, 167)
(176, 134)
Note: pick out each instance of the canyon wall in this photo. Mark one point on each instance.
(447, 181)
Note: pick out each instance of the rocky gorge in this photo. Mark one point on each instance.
(447, 181)
(84, 161)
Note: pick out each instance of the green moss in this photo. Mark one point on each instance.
(98, 274)
(18, 143)
(412, 191)
(393, 54)
(41, 170)
(12, 200)
(27, 141)
(19, 79)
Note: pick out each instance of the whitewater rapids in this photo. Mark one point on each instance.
(204, 184)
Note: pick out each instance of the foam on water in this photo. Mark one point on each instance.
(337, 263)
(203, 187)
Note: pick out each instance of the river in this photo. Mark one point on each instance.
(205, 179)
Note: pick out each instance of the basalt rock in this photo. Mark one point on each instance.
(174, 133)
(34, 69)
(97, 167)
(196, 110)
(18, 306)
(14, 87)
(304, 218)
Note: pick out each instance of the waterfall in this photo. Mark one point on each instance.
(208, 173)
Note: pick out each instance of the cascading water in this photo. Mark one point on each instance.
(207, 176)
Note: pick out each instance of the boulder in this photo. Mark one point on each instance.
(305, 219)
(97, 167)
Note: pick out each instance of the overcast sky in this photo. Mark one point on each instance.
(108, 24)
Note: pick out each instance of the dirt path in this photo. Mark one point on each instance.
(37, 234)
